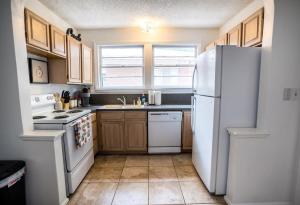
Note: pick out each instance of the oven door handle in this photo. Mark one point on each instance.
(76, 121)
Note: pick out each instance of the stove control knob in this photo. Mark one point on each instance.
(37, 99)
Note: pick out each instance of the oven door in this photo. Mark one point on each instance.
(74, 154)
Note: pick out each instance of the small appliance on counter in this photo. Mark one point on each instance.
(157, 98)
(85, 96)
(154, 97)
(151, 97)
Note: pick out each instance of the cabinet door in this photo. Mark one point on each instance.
(252, 29)
(187, 134)
(87, 65)
(136, 135)
(37, 31)
(221, 41)
(58, 41)
(112, 135)
(74, 60)
(235, 36)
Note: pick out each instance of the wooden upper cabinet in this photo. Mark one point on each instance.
(235, 36)
(58, 41)
(112, 135)
(87, 64)
(253, 29)
(37, 30)
(74, 60)
(221, 41)
(187, 134)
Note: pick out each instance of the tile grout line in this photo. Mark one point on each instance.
(178, 182)
(118, 183)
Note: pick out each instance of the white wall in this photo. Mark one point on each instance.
(241, 16)
(15, 102)
(159, 35)
(281, 118)
(279, 70)
(199, 37)
(297, 176)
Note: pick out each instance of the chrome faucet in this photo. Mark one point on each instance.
(123, 101)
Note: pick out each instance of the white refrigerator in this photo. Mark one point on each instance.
(225, 86)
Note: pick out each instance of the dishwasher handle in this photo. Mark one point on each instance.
(159, 113)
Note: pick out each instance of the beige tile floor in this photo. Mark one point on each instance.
(143, 180)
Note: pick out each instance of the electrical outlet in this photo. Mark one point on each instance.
(291, 94)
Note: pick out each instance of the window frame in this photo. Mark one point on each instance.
(148, 67)
(99, 79)
(153, 66)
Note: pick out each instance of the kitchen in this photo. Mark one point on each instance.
(144, 139)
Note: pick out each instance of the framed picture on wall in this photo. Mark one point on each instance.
(38, 71)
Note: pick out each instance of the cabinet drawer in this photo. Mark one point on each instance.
(135, 115)
(112, 115)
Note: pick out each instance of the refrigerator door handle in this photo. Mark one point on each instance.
(193, 79)
(193, 114)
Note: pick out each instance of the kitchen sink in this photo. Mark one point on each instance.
(123, 106)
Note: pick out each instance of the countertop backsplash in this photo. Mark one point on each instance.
(167, 99)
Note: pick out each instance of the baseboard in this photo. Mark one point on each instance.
(65, 201)
(257, 203)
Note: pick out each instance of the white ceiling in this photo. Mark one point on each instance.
(89, 14)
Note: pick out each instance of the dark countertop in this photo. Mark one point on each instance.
(94, 108)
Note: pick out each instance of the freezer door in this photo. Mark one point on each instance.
(205, 140)
(209, 72)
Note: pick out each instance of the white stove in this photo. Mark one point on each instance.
(44, 113)
(77, 160)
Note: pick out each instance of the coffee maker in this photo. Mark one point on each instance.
(85, 97)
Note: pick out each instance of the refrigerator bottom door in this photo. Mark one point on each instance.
(205, 140)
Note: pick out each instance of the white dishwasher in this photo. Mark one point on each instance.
(164, 132)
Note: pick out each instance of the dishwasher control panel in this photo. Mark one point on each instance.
(165, 116)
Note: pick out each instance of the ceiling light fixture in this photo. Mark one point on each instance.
(147, 27)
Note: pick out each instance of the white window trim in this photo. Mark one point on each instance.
(152, 68)
(148, 71)
(99, 78)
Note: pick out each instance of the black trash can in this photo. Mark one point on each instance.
(12, 182)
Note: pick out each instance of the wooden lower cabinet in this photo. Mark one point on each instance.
(136, 135)
(187, 134)
(121, 131)
(112, 134)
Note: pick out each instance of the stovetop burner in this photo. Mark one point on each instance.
(38, 117)
(58, 111)
(61, 116)
(74, 111)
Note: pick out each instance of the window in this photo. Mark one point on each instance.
(121, 66)
(173, 66)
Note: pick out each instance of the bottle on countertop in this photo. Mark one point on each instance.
(139, 102)
(143, 99)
